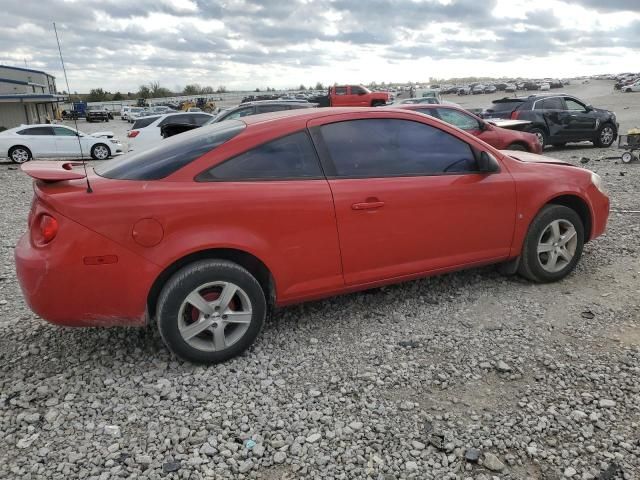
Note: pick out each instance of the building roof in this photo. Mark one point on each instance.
(26, 70)
(32, 98)
(20, 82)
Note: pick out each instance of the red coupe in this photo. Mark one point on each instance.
(209, 230)
(501, 138)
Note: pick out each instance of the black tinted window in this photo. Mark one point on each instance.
(199, 119)
(288, 157)
(36, 131)
(171, 154)
(180, 118)
(341, 90)
(144, 122)
(64, 132)
(505, 106)
(357, 90)
(550, 104)
(386, 147)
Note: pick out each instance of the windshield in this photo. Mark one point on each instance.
(171, 155)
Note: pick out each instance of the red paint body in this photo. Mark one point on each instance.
(316, 237)
(497, 137)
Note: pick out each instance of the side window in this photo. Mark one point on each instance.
(182, 118)
(554, 103)
(357, 90)
(288, 157)
(458, 119)
(63, 132)
(429, 111)
(199, 119)
(574, 105)
(243, 112)
(341, 90)
(36, 131)
(390, 147)
(271, 108)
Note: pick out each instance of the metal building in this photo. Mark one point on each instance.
(27, 96)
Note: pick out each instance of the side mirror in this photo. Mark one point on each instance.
(589, 108)
(487, 163)
(484, 126)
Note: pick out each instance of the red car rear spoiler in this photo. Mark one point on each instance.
(53, 171)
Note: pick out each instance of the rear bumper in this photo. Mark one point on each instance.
(64, 283)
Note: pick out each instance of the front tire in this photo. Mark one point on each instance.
(211, 311)
(553, 245)
(20, 154)
(605, 136)
(100, 151)
(517, 147)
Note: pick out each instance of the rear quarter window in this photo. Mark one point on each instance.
(171, 154)
(144, 122)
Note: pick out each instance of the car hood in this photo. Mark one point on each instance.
(533, 157)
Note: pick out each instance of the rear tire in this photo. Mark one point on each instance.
(517, 147)
(20, 154)
(553, 245)
(541, 134)
(208, 333)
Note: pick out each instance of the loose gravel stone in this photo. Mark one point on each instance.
(492, 462)
(279, 457)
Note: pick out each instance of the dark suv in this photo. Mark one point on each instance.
(558, 119)
(96, 113)
(242, 110)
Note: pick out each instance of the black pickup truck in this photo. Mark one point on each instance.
(557, 119)
(96, 113)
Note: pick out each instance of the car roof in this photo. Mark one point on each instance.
(313, 113)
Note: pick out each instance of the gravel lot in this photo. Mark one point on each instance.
(464, 376)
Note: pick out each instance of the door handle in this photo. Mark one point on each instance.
(367, 205)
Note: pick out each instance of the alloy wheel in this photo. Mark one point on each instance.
(214, 316)
(557, 245)
(19, 155)
(606, 136)
(101, 152)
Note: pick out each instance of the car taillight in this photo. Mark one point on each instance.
(48, 227)
(515, 114)
(133, 133)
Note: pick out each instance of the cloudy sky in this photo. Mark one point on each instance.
(244, 44)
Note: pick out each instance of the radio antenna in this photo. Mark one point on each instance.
(75, 119)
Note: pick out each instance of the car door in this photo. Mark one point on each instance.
(409, 199)
(66, 142)
(357, 97)
(40, 140)
(340, 97)
(556, 118)
(582, 122)
(276, 193)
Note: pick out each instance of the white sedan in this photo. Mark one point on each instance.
(635, 87)
(25, 142)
